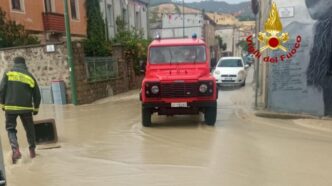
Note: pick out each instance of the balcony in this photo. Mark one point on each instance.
(54, 22)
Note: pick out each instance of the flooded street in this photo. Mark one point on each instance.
(105, 144)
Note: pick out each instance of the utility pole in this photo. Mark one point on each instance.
(183, 17)
(256, 64)
(70, 55)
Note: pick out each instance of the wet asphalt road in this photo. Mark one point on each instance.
(104, 144)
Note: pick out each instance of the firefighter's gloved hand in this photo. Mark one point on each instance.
(35, 113)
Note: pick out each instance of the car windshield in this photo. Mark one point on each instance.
(230, 63)
(177, 54)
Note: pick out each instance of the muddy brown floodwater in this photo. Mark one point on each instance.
(104, 144)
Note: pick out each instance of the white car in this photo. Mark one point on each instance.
(230, 71)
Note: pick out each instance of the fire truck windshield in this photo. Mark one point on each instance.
(177, 54)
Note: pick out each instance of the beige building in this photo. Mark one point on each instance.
(232, 31)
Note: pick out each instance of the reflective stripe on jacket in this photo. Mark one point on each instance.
(19, 91)
(20, 77)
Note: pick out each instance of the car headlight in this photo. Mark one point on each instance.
(203, 88)
(217, 72)
(154, 89)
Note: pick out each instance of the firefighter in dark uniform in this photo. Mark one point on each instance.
(20, 96)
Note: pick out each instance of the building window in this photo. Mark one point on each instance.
(138, 20)
(125, 12)
(110, 15)
(125, 15)
(74, 9)
(49, 5)
(17, 5)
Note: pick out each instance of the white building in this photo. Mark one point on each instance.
(133, 12)
(173, 26)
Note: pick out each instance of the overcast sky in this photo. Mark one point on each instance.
(228, 1)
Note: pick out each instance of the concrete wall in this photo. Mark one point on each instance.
(302, 84)
(172, 25)
(288, 88)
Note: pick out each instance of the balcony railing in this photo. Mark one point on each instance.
(54, 22)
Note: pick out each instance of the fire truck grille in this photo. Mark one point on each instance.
(179, 90)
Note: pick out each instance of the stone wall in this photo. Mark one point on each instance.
(88, 92)
(47, 67)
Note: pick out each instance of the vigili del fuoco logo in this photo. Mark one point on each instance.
(273, 38)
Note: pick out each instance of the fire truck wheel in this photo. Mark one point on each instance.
(146, 117)
(210, 116)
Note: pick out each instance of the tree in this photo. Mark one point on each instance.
(133, 42)
(96, 43)
(13, 34)
(222, 45)
(157, 2)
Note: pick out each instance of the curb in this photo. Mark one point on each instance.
(320, 125)
(280, 115)
(304, 120)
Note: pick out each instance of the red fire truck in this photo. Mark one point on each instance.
(178, 80)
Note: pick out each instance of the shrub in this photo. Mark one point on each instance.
(135, 45)
(13, 34)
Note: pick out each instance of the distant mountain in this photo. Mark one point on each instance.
(242, 10)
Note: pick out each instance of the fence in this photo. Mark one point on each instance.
(101, 68)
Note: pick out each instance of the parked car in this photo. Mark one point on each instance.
(231, 71)
(178, 80)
